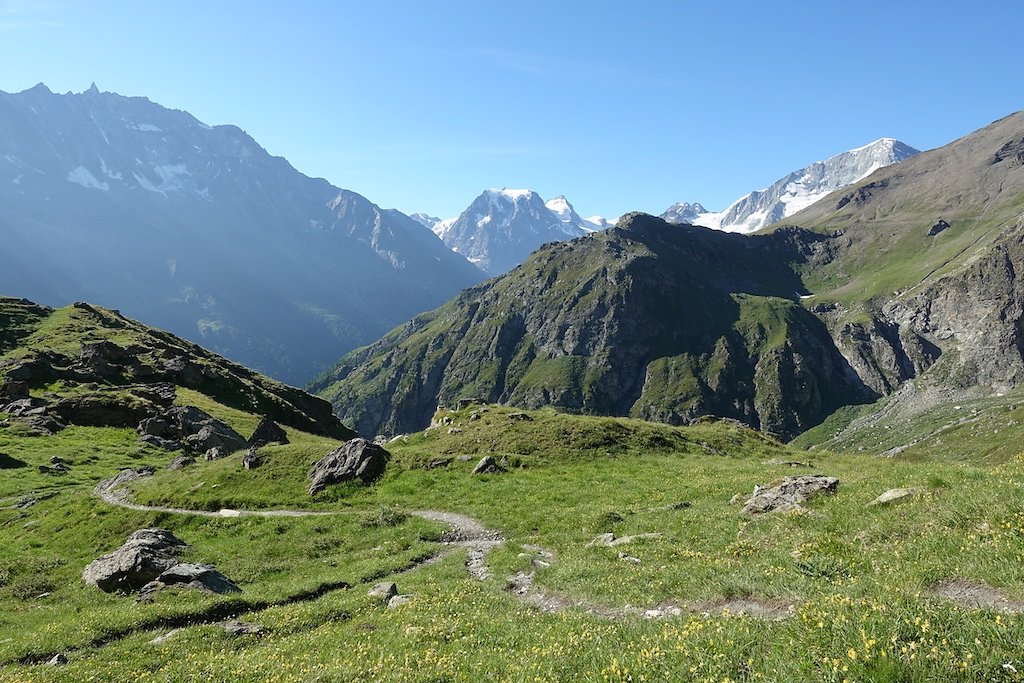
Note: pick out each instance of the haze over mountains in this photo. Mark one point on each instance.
(197, 229)
(795, 191)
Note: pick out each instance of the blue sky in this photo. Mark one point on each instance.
(619, 106)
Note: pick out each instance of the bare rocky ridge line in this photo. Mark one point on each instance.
(479, 540)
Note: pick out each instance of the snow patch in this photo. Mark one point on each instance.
(82, 176)
(441, 228)
(146, 127)
(170, 174)
(146, 185)
(511, 194)
(107, 172)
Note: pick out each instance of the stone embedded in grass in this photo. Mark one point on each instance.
(520, 417)
(146, 555)
(267, 432)
(357, 459)
(488, 465)
(384, 591)
(200, 577)
(233, 627)
(398, 600)
(789, 494)
(181, 462)
(894, 495)
(251, 460)
(147, 562)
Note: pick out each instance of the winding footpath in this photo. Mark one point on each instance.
(478, 540)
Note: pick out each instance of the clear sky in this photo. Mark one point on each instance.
(419, 105)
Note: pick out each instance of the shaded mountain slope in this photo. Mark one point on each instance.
(197, 229)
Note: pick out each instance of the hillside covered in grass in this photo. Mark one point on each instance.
(926, 588)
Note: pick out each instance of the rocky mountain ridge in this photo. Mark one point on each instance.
(905, 279)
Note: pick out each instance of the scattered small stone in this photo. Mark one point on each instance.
(454, 430)
(895, 495)
(488, 465)
(160, 640)
(629, 558)
(267, 432)
(233, 627)
(59, 659)
(789, 494)
(251, 460)
(464, 458)
(181, 462)
(682, 505)
(521, 417)
(398, 600)
(384, 591)
(467, 402)
(474, 416)
(215, 453)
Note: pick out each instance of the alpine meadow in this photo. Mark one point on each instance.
(780, 439)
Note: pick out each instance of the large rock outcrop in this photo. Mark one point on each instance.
(357, 459)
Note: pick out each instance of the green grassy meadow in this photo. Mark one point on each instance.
(854, 579)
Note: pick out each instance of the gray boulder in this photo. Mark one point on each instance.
(200, 577)
(384, 591)
(488, 465)
(894, 495)
(357, 459)
(181, 462)
(251, 460)
(233, 627)
(789, 494)
(146, 555)
(267, 432)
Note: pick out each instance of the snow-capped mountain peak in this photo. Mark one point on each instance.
(798, 190)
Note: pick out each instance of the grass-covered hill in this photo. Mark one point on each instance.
(648, 319)
(99, 356)
(687, 588)
(903, 287)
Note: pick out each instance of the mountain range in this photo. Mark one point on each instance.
(795, 191)
(197, 229)
(902, 285)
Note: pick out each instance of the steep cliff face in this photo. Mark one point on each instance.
(649, 319)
